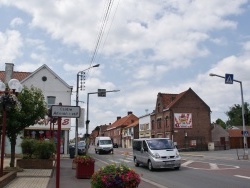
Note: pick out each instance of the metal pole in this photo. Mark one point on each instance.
(77, 100)
(3, 140)
(87, 124)
(245, 156)
(58, 152)
(243, 122)
(87, 121)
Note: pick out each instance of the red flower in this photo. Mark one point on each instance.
(86, 159)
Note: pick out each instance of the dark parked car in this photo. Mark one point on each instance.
(81, 147)
(115, 145)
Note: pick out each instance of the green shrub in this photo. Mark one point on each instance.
(36, 149)
(44, 149)
(28, 147)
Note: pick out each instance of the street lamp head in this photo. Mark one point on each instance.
(211, 74)
(97, 65)
(14, 84)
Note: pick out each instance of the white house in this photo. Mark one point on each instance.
(55, 91)
(145, 126)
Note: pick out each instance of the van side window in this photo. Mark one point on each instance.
(137, 145)
(145, 147)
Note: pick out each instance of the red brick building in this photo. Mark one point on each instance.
(115, 129)
(184, 118)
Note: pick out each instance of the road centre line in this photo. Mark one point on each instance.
(246, 177)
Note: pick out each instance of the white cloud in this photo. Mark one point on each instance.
(16, 22)
(10, 44)
(152, 46)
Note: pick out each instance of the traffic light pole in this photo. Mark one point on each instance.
(87, 121)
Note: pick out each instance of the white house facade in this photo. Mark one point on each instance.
(145, 126)
(55, 91)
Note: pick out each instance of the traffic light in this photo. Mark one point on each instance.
(246, 119)
(101, 92)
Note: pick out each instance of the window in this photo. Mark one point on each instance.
(166, 120)
(152, 124)
(137, 145)
(159, 123)
(51, 100)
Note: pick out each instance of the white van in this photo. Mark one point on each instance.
(156, 153)
(103, 145)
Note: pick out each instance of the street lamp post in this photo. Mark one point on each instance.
(87, 121)
(7, 100)
(245, 156)
(79, 74)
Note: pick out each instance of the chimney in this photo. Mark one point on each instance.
(8, 72)
(119, 117)
(129, 112)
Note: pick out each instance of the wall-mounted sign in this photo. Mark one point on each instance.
(182, 120)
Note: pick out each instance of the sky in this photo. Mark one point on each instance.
(143, 47)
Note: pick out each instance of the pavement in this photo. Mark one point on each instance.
(43, 178)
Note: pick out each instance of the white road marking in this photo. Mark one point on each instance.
(246, 177)
(153, 183)
(186, 163)
(213, 166)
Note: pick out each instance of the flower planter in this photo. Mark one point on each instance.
(85, 170)
(115, 176)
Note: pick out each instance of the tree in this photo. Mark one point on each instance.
(221, 123)
(32, 108)
(235, 114)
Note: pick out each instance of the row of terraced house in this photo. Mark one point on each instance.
(184, 118)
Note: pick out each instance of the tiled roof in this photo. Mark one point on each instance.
(16, 75)
(237, 132)
(133, 124)
(123, 122)
(169, 100)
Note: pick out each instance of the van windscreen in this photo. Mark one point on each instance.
(160, 144)
(103, 142)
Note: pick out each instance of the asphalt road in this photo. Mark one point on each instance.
(199, 169)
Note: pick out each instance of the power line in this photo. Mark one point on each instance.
(104, 23)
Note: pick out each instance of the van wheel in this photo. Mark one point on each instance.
(150, 166)
(135, 162)
(99, 152)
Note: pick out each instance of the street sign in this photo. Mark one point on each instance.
(245, 133)
(229, 78)
(65, 111)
